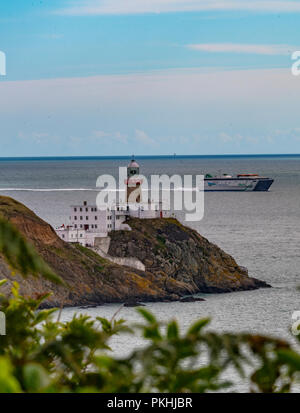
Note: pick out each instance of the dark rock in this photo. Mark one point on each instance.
(85, 307)
(133, 304)
(190, 299)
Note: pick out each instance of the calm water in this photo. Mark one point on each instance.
(261, 230)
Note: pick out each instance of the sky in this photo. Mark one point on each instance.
(150, 77)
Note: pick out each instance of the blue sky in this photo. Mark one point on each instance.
(112, 77)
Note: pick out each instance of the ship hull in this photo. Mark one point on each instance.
(237, 184)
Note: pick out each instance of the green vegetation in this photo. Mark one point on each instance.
(161, 241)
(21, 256)
(39, 353)
(90, 253)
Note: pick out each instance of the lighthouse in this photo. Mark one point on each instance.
(133, 183)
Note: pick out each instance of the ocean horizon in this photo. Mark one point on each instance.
(65, 158)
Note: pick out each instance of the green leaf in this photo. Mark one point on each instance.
(172, 330)
(197, 326)
(147, 315)
(36, 377)
(44, 315)
(8, 383)
(106, 325)
(289, 357)
(2, 282)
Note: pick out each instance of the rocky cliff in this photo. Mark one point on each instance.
(181, 259)
(177, 260)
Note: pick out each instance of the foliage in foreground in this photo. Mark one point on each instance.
(39, 353)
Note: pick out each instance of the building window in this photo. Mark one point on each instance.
(80, 235)
(92, 226)
(63, 236)
(75, 226)
(87, 218)
(75, 217)
(96, 217)
(75, 209)
(86, 209)
(81, 218)
(80, 209)
(80, 225)
(95, 226)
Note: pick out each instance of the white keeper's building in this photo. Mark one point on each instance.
(87, 222)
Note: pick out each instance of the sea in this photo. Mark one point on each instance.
(261, 230)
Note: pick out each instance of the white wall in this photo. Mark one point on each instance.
(82, 215)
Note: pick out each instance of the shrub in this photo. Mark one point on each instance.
(40, 353)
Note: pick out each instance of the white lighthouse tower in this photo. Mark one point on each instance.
(133, 183)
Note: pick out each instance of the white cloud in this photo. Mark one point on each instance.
(117, 136)
(36, 137)
(264, 49)
(225, 137)
(156, 91)
(104, 7)
(142, 137)
(282, 134)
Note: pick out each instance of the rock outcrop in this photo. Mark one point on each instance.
(180, 258)
(178, 262)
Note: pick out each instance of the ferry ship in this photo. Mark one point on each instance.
(241, 182)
